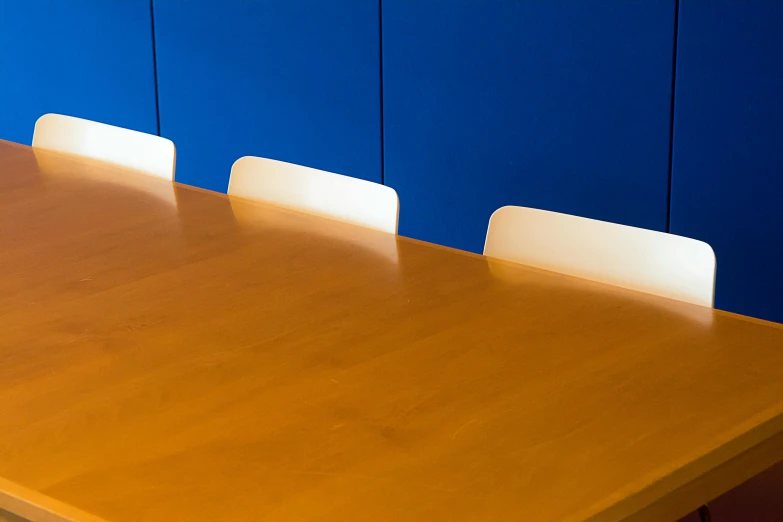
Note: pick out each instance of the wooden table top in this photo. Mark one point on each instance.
(168, 353)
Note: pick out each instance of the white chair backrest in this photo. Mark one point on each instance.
(316, 192)
(645, 260)
(147, 153)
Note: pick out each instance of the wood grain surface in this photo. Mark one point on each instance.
(171, 354)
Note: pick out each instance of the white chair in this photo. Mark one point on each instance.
(146, 153)
(316, 192)
(653, 262)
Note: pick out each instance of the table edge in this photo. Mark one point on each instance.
(28, 503)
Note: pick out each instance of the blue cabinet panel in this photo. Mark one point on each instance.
(560, 104)
(294, 80)
(91, 58)
(727, 175)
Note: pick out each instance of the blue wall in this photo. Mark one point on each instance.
(294, 80)
(727, 183)
(91, 58)
(562, 105)
(559, 104)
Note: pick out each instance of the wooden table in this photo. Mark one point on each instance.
(168, 353)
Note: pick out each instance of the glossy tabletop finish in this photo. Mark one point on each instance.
(168, 353)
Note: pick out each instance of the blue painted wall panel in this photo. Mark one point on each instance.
(561, 104)
(727, 176)
(297, 81)
(91, 58)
